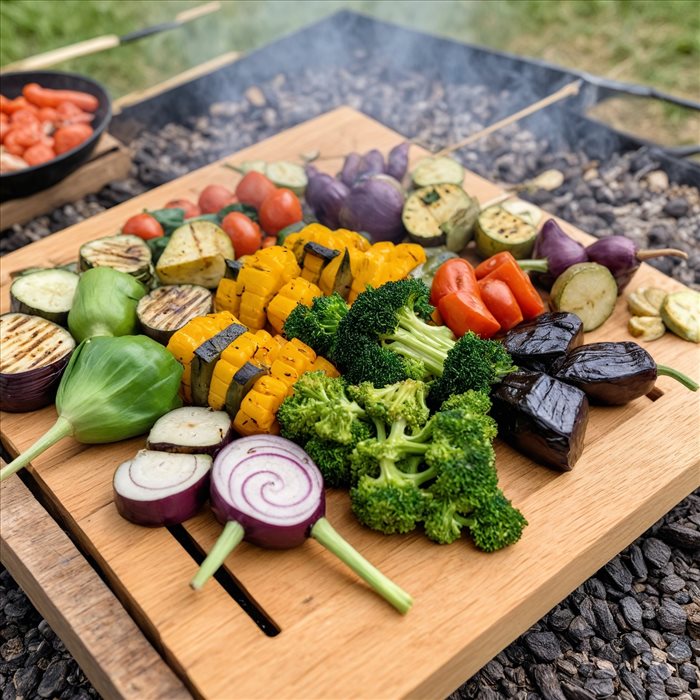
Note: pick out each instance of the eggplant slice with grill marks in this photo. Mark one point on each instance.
(122, 252)
(34, 354)
(166, 309)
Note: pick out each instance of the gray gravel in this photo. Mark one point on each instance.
(633, 630)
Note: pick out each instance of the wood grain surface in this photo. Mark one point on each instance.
(338, 639)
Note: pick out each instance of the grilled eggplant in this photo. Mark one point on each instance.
(240, 385)
(539, 343)
(191, 430)
(122, 252)
(609, 373)
(165, 309)
(541, 417)
(34, 354)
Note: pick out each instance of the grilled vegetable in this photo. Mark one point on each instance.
(195, 254)
(680, 312)
(337, 276)
(124, 253)
(375, 205)
(541, 417)
(243, 381)
(441, 215)
(285, 174)
(622, 257)
(646, 301)
(437, 171)
(538, 343)
(614, 373)
(646, 328)
(205, 358)
(166, 309)
(497, 230)
(281, 516)
(191, 430)
(297, 291)
(105, 304)
(226, 297)
(112, 389)
(161, 488)
(45, 293)
(588, 290)
(29, 370)
(185, 341)
(316, 258)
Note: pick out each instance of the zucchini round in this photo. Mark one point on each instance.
(588, 290)
(45, 293)
(166, 309)
(498, 230)
(680, 312)
(122, 252)
(437, 171)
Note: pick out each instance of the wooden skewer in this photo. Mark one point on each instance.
(562, 93)
(108, 41)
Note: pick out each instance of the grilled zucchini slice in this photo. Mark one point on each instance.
(122, 252)
(437, 171)
(45, 293)
(165, 309)
(498, 230)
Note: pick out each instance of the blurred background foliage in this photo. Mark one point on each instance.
(656, 42)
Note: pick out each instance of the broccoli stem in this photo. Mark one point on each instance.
(60, 429)
(440, 337)
(415, 347)
(324, 533)
(229, 539)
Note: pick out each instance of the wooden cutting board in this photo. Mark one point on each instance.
(338, 639)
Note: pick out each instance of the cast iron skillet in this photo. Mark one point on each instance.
(38, 177)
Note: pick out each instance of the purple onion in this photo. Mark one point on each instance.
(372, 164)
(161, 488)
(351, 165)
(397, 161)
(326, 195)
(268, 490)
(622, 257)
(375, 205)
(558, 249)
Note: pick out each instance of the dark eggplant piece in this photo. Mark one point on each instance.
(614, 373)
(539, 343)
(541, 417)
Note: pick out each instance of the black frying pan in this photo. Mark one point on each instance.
(25, 182)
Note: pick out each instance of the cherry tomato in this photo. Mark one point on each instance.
(144, 226)
(213, 198)
(68, 137)
(243, 232)
(254, 188)
(280, 209)
(454, 275)
(190, 208)
(39, 153)
(269, 241)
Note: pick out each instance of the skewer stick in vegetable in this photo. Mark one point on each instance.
(268, 491)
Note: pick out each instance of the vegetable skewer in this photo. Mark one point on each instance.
(268, 491)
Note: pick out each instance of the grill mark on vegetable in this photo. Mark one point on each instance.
(18, 348)
(229, 583)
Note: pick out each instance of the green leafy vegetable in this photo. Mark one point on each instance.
(105, 304)
(112, 389)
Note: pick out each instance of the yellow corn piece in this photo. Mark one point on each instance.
(220, 382)
(278, 309)
(187, 339)
(297, 290)
(321, 364)
(225, 298)
(259, 407)
(304, 350)
(268, 350)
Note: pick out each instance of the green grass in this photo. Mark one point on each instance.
(656, 42)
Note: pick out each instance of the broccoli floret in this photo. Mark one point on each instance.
(496, 524)
(394, 316)
(317, 325)
(473, 401)
(363, 359)
(400, 401)
(320, 407)
(333, 458)
(473, 363)
(441, 521)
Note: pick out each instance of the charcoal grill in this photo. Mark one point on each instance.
(337, 40)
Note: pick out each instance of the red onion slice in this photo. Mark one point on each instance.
(161, 488)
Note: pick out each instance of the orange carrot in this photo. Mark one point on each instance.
(46, 97)
(68, 137)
